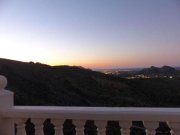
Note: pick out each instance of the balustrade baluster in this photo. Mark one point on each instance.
(175, 128)
(20, 126)
(101, 127)
(38, 126)
(79, 126)
(125, 127)
(151, 127)
(58, 123)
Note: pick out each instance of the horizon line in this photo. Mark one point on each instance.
(92, 68)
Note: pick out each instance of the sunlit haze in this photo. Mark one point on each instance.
(91, 33)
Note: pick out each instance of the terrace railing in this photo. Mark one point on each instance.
(13, 118)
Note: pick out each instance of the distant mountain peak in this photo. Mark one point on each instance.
(164, 70)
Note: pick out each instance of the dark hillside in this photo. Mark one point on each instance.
(165, 70)
(39, 84)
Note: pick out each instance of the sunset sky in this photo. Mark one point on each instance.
(91, 33)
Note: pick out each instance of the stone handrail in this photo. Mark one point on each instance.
(95, 113)
(11, 115)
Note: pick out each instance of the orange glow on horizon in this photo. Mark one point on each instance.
(97, 63)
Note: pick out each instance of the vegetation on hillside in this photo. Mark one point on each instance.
(38, 84)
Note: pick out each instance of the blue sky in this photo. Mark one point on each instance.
(91, 33)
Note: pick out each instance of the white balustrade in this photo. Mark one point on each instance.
(11, 115)
(125, 127)
(101, 127)
(20, 126)
(175, 128)
(151, 127)
(58, 126)
(38, 126)
(79, 124)
(6, 102)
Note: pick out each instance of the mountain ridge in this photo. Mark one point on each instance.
(40, 84)
(164, 70)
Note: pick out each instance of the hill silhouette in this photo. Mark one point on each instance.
(165, 70)
(40, 84)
